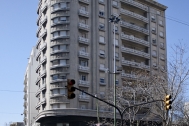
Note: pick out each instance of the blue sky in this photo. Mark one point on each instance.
(18, 36)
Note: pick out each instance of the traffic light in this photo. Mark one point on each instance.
(70, 88)
(168, 102)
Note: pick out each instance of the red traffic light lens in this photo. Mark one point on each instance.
(71, 81)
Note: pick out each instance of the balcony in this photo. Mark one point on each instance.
(38, 30)
(134, 27)
(54, 43)
(43, 101)
(60, 14)
(63, 56)
(102, 83)
(127, 75)
(57, 86)
(58, 80)
(135, 52)
(39, 18)
(134, 15)
(60, 28)
(83, 68)
(59, 51)
(135, 39)
(136, 4)
(59, 71)
(83, 83)
(38, 92)
(44, 7)
(83, 54)
(83, 13)
(25, 104)
(38, 42)
(84, 98)
(43, 73)
(60, 9)
(83, 40)
(25, 96)
(84, 26)
(135, 64)
(103, 69)
(44, 20)
(44, 59)
(59, 65)
(85, 1)
(60, 100)
(56, 95)
(38, 79)
(60, 37)
(43, 33)
(43, 46)
(60, 22)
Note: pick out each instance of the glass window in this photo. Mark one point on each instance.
(115, 3)
(161, 45)
(55, 48)
(63, 5)
(83, 49)
(116, 42)
(102, 52)
(158, 13)
(83, 77)
(54, 77)
(101, 25)
(153, 29)
(117, 82)
(55, 7)
(55, 62)
(154, 41)
(55, 20)
(83, 63)
(101, 39)
(101, 13)
(62, 33)
(63, 18)
(55, 34)
(154, 53)
(83, 8)
(116, 55)
(62, 62)
(161, 34)
(63, 47)
(161, 22)
(102, 80)
(102, 66)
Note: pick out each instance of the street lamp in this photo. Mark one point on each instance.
(115, 20)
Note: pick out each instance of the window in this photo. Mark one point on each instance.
(161, 34)
(101, 26)
(162, 45)
(115, 3)
(54, 77)
(83, 8)
(154, 53)
(102, 66)
(161, 23)
(154, 64)
(153, 18)
(102, 80)
(162, 57)
(158, 13)
(101, 1)
(117, 82)
(154, 30)
(56, 7)
(62, 124)
(62, 62)
(101, 39)
(55, 48)
(116, 55)
(59, 33)
(102, 53)
(83, 63)
(116, 42)
(55, 62)
(59, 5)
(83, 106)
(154, 42)
(83, 49)
(84, 77)
(101, 13)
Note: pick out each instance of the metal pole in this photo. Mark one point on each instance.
(114, 81)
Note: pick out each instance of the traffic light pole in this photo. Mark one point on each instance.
(121, 113)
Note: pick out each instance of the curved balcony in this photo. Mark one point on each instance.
(43, 46)
(84, 98)
(59, 65)
(56, 57)
(56, 86)
(39, 66)
(134, 27)
(84, 1)
(56, 95)
(83, 13)
(59, 71)
(43, 73)
(60, 37)
(135, 39)
(83, 68)
(83, 40)
(83, 54)
(59, 51)
(58, 80)
(39, 5)
(60, 14)
(54, 43)
(39, 18)
(60, 22)
(25, 104)
(135, 52)
(44, 59)
(83, 83)
(38, 79)
(43, 33)
(38, 30)
(38, 42)
(60, 100)
(44, 20)
(59, 28)
(25, 96)
(44, 7)
(83, 26)
(136, 4)
(60, 9)
(134, 15)
(38, 92)
(135, 64)
(58, 1)
(42, 101)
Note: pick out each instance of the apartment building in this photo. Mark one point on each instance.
(29, 91)
(75, 40)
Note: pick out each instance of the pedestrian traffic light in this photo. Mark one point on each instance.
(168, 102)
(70, 88)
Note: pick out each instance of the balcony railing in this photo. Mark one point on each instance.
(60, 22)
(134, 15)
(59, 71)
(62, 100)
(135, 52)
(135, 64)
(43, 59)
(127, 75)
(60, 9)
(83, 12)
(43, 33)
(60, 50)
(83, 40)
(84, 26)
(63, 56)
(57, 86)
(83, 68)
(58, 80)
(84, 97)
(83, 83)
(134, 27)
(102, 69)
(83, 54)
(43, 20)
(43, 46)
(66, 27)
(85, 1)
(58, 14)
(136, 4)
(135, 39)
(59, 65)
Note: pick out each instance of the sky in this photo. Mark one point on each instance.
(18, 35)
